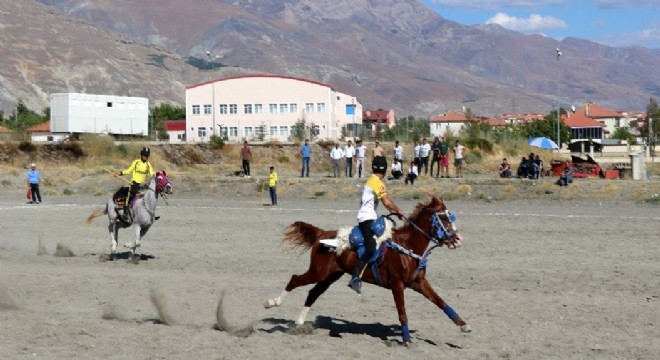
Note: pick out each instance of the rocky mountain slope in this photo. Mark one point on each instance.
(390, 53)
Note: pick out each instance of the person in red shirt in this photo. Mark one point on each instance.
(246, 156)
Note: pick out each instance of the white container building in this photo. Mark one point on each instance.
(99, 114)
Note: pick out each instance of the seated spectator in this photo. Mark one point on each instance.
(505, 169)
(412, 173)
(397, 171)
(523, 168)
(539, 165)
(566, 176)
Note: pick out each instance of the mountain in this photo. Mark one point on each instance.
(44, 51)
(390, 53)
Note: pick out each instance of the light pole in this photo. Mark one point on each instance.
(558, 118)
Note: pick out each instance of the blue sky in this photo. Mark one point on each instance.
(609, 22)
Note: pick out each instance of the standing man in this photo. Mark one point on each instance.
(272, 186)
(246, 156)
(373, 192)
(33, 181)
(416, 152)
(349, 153)
(435, 160)
(361, 153)
(306, 153)
(458, 159)
(424, 152)
(398, 152)
(336, 154)
(444, 157)
(378, 150)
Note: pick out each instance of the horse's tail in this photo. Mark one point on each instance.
(301, 235)
(95, 214)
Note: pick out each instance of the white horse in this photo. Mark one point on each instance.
(142, 213)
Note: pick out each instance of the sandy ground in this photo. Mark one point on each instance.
(534, 279)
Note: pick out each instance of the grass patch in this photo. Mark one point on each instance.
(67, 192)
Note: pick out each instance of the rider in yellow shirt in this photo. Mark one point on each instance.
(373, 192)
(141, 171)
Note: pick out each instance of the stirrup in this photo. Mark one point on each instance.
(356, 285)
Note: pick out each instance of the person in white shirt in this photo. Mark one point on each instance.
(349, 154)
(458, 159)
(361, 152)
(336, 154)
(412, 173)
(416, 152)
(397, 171)
(424, 152)
(398, 151)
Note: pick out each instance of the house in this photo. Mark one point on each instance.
(610, 118)
(492, 121)
(452, 122)
(583, 128)
(42, 133)
(176, 130)
(517, 119)
(377, 117)
(249, 107)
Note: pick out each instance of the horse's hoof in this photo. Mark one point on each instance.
(270, 303)
(466, 328)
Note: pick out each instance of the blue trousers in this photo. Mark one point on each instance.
(305, 165)
(273, 195)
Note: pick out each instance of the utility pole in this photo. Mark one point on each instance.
(558, 116)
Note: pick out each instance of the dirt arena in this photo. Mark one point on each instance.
(534, 279)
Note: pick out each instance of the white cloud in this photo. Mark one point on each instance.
(613, 4)
(649, 37)
(499, 4)
(534, 23)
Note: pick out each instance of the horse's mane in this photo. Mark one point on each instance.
(434, 203)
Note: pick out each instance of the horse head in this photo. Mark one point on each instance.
(438, 222)
(163, 184)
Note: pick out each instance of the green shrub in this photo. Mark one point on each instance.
(26, 146)
(473, 157)
(217, 142)
(67, 192)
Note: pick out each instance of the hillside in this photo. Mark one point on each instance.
(390, 53)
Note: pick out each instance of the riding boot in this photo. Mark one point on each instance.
(356, 282)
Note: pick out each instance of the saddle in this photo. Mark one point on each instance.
(120, 201)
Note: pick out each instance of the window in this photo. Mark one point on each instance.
(223, 108)
(293, 108)
(258, 108)
(181, 137)
(320, 107)
(273, 108)
(207, 109)
(273, 131)
(284, 108)
(233, 131)
(284, 130)
(233, 108)
(223, 132)
(247, 132)
(195, 109)
(247, 108)
(201, 132)
(109, 104)
(309, 107)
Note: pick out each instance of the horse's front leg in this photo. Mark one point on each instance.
(424, 287)
(399, 300)
(113, 229)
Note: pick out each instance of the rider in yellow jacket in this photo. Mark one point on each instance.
(141, 171)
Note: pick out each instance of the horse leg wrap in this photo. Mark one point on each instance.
(450, 313)
(303, 315)
(405, 334)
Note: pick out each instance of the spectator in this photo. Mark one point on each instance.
(336, 154)
(349, 154)
(424, 152)
(523, 168)
(416, 147)
(458, 158)
(397, 171)
(361, 151)
(246, 156)
(378, 150)
(272, 185)
(398, 151)
(566, 176)
(435, 159)
(33, 182)
(444, 157)
(412, 173)
(539, 165)
(306, 153)
(505, 169)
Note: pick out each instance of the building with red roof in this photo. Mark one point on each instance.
(452, 121)
(176, 130)
(583, 127)
(377, 117)
(42, 133)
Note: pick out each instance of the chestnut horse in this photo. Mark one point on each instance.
(403, 265)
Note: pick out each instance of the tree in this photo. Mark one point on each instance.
(622, 133)
(651, 130)
(547, 128)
